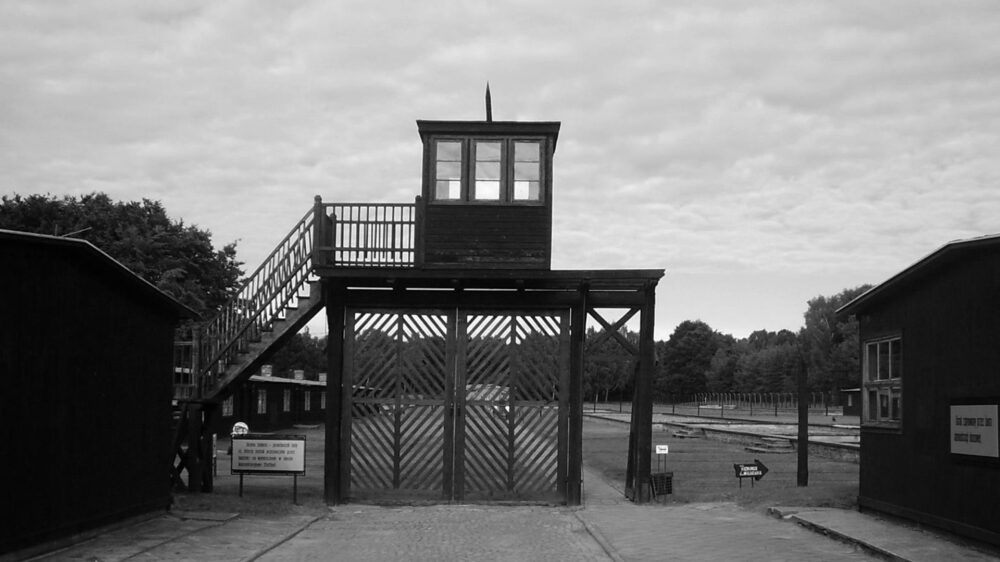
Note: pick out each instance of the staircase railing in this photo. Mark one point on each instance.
(337, 235)
(262, 300)
(369, 235)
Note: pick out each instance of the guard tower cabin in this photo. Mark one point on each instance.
(487, 194)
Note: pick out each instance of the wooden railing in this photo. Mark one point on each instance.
(369, 235)
(262, 300)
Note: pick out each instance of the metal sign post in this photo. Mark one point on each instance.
(661, 482)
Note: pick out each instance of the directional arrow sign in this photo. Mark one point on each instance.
(755, 470)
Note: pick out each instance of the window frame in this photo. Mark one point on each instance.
(882, 392)
(468, 152)
(286, 400)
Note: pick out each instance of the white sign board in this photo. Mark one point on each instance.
(662, 449)
(974, 430)
(279, 454)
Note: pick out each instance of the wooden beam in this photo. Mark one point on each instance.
(334, 491)
(643, 413)
(565, 345)
(578, 338)
(612, 331)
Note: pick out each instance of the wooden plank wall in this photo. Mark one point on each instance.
(87, 389)
(488, 236)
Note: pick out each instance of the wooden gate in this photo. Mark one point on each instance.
(457, 405)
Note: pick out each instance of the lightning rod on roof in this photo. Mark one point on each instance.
(489, 103)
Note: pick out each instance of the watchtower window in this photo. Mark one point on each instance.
(491, 170)
(527, 171)
(487, 184)
(448, 185)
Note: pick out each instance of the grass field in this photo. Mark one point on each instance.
(702, 472)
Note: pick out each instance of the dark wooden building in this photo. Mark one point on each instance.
(86, 356)
(930, 389)
(266, 403)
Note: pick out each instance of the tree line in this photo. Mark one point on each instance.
(697, 359)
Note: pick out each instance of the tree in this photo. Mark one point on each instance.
(686, 359)
(608, 366)
(722, 369)
(178, 259)
(829, 345)
(301, 351)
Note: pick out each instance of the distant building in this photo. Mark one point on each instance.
(851, 399)
(86, 354)
(930, 390)
(266, 403)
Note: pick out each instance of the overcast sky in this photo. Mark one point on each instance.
(762, 153)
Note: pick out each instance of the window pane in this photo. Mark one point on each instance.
(872, 405)
(448, 189)
(449, 171)
(526, 171)
(883, 406)
(871, 365)
(883, 360)
(527, 152)
(487, 190)
(527, 191)
(449, 151)
(487, 152)
(897, 404)
(896, 358)
(488, 171)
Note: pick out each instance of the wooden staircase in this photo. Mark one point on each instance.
(255, 352)
(273, 304)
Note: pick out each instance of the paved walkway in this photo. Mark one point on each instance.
(606, 528)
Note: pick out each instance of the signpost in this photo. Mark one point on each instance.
(754, 471)
(269, 454)
(661, 482)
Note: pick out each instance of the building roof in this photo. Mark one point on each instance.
(532, 128)
(111, 265)
(945, 255)
(283, 380)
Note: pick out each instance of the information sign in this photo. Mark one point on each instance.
(662, 449)
(974, 430)
(269, 454)
(754, 471)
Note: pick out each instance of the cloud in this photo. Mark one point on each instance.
(732, 144)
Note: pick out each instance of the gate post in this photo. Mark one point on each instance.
(578, 333)
(643, 413)
(333, 475)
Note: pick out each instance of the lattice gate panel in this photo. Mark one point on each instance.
(486, 448)
(373, 375)
(423, 377)
(535, 405)
(513, 371)
(397, 366)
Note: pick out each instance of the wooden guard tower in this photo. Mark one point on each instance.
(455, 352)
